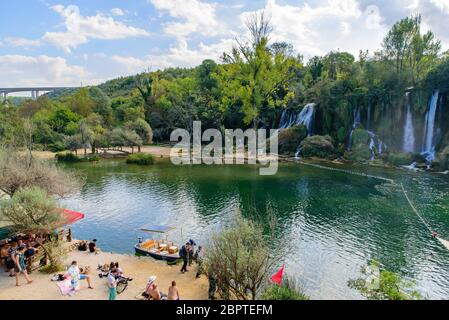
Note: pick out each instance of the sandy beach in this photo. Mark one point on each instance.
(138, 268)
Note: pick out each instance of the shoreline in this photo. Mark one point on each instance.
(163, 152)
(138, 268)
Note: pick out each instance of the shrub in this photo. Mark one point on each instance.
(400, 159)
(57, 146)
(142, 159)
(66, 157)
(70, 157)
(377, 283)
(289, 290)
(239, 259)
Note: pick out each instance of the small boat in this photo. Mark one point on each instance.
(158, 249)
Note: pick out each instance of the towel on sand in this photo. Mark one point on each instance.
(66, 288)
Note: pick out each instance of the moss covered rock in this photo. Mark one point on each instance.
(318, 146)
(443, 159)
(400, 159)
(360, 136)
(360, 150)
(289, 139)
(359, 153)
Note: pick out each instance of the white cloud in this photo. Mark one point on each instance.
(443, 5)
(197, 17)
(327, 25)
(79, 29)
(178, 56)
(117, 12)
(22, 42)
(42, 70)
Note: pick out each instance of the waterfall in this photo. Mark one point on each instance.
(429, 129)
(356, 122)
(409, 134)
(305, 117)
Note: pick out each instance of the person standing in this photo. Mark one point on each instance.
(29, 257)
(184, 254)
(112, 284)
(20, 267)
(199, 260)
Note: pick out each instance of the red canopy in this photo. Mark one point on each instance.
(72, 216)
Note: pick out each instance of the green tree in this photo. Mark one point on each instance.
(143, 129)
(239, 259)
(31, 210)
(80, 102)
(101, 105)
(377, 283)
(252, 76)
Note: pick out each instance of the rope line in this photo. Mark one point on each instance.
(348, 172)
(444, 242)
(415, 210)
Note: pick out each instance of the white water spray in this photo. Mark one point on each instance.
(409, 134)
(429, 130)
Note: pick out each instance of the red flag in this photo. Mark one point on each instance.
(277, 278)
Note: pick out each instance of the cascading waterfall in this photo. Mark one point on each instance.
(376, 145)
(305, 117)
(429, 128)
(409, 133)
(357, 121)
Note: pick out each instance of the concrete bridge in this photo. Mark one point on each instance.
(35, 91)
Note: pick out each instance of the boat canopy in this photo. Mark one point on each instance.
(156, 228)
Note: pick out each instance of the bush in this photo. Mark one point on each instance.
(57, 146)
(71, 157)
(289, 290)
(239, 260)
(401, 159)
(143, 159)
(66, 157)
(359, 153)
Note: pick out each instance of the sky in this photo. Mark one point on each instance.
(85, 42)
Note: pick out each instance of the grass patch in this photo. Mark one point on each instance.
(289, 290)
(49, 269)
(143, 159)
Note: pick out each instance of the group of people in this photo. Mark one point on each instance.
(88, 246)
(152, 291)
(18, 256)
(188, 255)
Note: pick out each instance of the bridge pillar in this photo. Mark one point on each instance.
(33, 94)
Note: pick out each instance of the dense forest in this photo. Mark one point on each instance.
(388, 105)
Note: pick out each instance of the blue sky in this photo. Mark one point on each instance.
(60, 42)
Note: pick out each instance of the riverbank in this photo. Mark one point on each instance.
(138, 268)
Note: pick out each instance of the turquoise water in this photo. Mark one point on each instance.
(329, 223)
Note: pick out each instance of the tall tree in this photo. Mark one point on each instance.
(253, 76)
